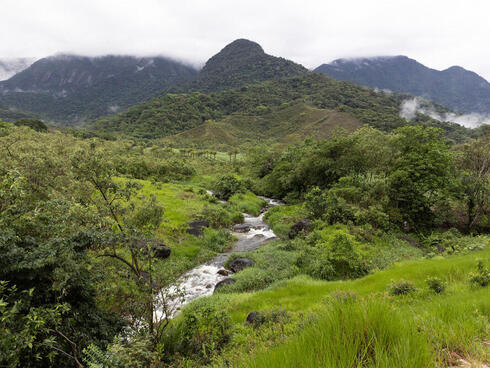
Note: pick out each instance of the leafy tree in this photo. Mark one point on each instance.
(420, 175)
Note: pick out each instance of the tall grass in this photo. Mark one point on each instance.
(352, 333)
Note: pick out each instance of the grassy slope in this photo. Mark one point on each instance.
(454, 321)
(285, 126)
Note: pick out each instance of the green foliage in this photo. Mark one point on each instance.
(349, 333)
(35, 124)
(337, 258)
(436, 284)
(201, 332)
(221, 216)
(216, 240)
(402, 287)
(228, 185)
(420, 174)
(482, 276)
(247, 202)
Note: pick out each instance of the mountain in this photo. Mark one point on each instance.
(456, 88)
(70, 88)
(237, 64)
(262, 102)
(10, 67)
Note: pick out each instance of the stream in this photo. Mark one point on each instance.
(201, 280)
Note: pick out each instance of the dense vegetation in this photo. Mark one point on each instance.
(84, 221)
(69, 88)
(456, 88)
(176, 113)
(240, 63)
(382, 250)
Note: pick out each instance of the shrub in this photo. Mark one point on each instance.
(226, 186)
(481, 276)
(203, 331)
(337, 259)
(216, 240)
(402, 287)
(220, 216)
(436, 284)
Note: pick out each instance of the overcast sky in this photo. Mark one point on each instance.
(437, 33)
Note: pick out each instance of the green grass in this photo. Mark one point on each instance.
(247, 202)
(421, 329)
(352, 333)
(281, 218)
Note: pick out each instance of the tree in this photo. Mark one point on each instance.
(474, 162)
(420, 174)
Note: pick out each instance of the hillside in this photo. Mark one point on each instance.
(237, 64)
(70, 88)
(456, 88)
(285, 126)
(173, 113)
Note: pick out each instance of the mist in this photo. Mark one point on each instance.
(409, 109)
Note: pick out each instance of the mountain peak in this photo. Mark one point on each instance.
(239, 63)
(242, 45)
(457, 88)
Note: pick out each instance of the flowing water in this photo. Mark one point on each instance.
(201, 280)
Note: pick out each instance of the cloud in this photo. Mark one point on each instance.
(310, 32)
(409, 109)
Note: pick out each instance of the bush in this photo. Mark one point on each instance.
(216, 240)
(337, 259)
(226, 186)
(221, 216)
(482, 276)
(402, 287)
(203, 331)
(436, 284)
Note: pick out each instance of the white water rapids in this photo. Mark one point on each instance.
(201, 280)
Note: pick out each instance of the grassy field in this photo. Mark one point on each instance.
(357, 323)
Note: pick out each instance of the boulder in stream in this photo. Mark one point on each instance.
(224, 282)
(224, 272)
(239, 264)
(241, 228)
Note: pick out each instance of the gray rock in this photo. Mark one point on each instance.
(224, 282)
(161, 251)
(255, 318)
(224, 272)
(241, 228)
(239, 264)
(299, 227)
(195, 227)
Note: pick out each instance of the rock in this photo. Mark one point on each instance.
(255, 318)
(259, 236)
(224, 272)
(409, 240)
(209, 286)
(160, 250)
(195, 227)
(241, 228)
(270, 239)
(239, 264)
(224, 282)
(299, 227)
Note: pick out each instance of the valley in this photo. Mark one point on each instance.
(248, 214)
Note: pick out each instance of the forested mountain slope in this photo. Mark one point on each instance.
(70, 88)
(456, 88)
